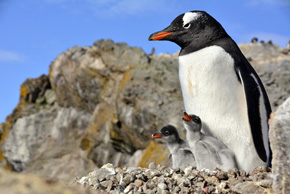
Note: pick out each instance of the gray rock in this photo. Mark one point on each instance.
(50, 96)
(32, 142)
(101, 174)
(26, 135)
(246, 187)
(129, 188)
(162, 186)
(280, 144)
(152, 165)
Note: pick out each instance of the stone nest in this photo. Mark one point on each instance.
(161, 179)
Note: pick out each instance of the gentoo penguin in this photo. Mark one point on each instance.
(220, 85)
(180, 158)
(269, 42)
(208, 151)
(254, 40)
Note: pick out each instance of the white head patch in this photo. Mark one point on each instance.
(189, 16)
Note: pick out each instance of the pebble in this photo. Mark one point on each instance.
(152, 165)
(162, 186)
(138, 183)
(129, 188)
(188, 170)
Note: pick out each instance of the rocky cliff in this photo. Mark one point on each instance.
(101, 104)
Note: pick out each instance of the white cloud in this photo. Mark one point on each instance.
(8, 56)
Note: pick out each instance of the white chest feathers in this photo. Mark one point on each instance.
(207, 77)
(211, 90)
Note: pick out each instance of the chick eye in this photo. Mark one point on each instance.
(186, 26)
(166, 133)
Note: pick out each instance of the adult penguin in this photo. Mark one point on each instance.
(220, 85)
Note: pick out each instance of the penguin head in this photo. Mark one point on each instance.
(191, 122)
(195, 28)
(168, 134)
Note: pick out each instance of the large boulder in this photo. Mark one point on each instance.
(126, 91)
(280, 144)
(100, 104)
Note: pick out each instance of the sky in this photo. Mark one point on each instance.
(34, 32)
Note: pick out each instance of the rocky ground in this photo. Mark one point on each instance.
(166, 180)
(100, 104)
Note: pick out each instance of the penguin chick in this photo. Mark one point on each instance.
(208, 151)
(180, 158)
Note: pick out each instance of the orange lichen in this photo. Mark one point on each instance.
(115, 135)
(1, 156)
(155, 152)
(126, 77)
(7, 167)
(102, 118)
(23, 92)
(86, 144)
(5, 126)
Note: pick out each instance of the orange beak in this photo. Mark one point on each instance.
(157, 135)
(158, 35)
(186, 117)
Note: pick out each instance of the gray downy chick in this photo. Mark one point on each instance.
(178, 148)
(208, 151)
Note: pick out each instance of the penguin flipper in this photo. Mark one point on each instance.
(187, 151)
(259, 110)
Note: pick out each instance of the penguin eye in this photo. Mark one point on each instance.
(166, 133)
(186, 26)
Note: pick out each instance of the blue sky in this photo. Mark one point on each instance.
(34, 32)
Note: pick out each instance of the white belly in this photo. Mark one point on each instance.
(212, 91)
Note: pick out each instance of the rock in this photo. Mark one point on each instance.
(259, 51)
(162, 186)
(138, 183)
(27, 149)
(101, 174)
(27, 183)
(246, 187)
(155, 152)
(280, 144)
(152, 165)
(135, 159)
(50, 96)
(188, 170)
(114, 103)
(21, 144)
